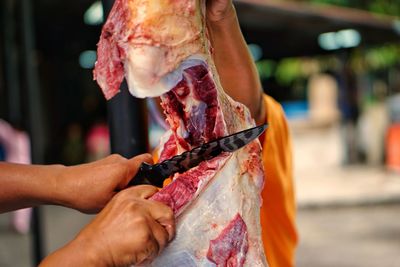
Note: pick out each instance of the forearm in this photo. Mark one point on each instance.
(75, 253)
(237, 70)
(27, 185)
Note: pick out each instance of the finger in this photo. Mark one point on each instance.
(136, 161)
(141, 191)
(149, 252)
(160, 234)
(164, 216)
(132, 167)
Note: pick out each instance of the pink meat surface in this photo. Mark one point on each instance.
(201, 121)
(109, 71)
(161, 48)
(230, 247)
(186, 186)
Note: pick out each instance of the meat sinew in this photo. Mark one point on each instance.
(161, 48)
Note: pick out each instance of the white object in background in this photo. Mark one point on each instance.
(323, 99)
(372, 127)
(393, 103)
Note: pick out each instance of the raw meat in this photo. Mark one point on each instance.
(144, 40)
(161, 48)
(230, 248)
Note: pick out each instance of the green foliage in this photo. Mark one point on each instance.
(387, 7)
(382, 57)
(289, 70)
(266, 68)
(362, 60)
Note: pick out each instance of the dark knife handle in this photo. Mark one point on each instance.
(147, 175)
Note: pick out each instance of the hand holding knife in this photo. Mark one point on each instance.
(157, 173)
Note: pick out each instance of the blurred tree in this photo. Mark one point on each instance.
(388, 7)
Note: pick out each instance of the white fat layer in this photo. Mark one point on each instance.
(145, 66)
(191, 101)
(181, 131)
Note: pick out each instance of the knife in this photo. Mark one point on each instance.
(157, 173)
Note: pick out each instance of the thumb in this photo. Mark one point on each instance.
(132, 167)
(141, 191)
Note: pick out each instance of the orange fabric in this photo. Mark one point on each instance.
(278, 210)
(155, 159)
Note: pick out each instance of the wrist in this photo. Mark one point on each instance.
(91, 243)
(86, 252)
(62, 186)
(40, 184)
(78, 252)
(57, 195)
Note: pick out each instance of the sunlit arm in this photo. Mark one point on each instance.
(85, 187)
(24, 186)
(237, 70)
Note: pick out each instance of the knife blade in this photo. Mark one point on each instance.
(157, 173)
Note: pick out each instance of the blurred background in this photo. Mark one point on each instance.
(333, 64)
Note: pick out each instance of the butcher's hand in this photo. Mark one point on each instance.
(130, 230)
(218, 10)
(232, 56)
(85, 187)
(88, 187)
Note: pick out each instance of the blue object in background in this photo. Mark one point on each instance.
(2, 153)
(295, 109)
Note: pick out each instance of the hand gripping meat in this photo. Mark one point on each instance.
(161, 48)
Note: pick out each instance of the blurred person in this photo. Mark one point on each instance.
(17, 149)
(323, 99)
(372, 125)
(97, 142)
(392, 138)
(129, 229)
(393, 103)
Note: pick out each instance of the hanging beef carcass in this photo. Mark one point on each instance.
(161, 48)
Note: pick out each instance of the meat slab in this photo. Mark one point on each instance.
(161, 48)
(230, 248)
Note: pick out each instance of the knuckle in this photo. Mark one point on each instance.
(169, 214)
(145, 190)
(120, 197)
(116, 157)
(139, 220)
(133, 206)
(146, 238)
(166, 211)
(124, 199)
(145, 187)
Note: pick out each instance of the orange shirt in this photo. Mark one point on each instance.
(278, 210)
